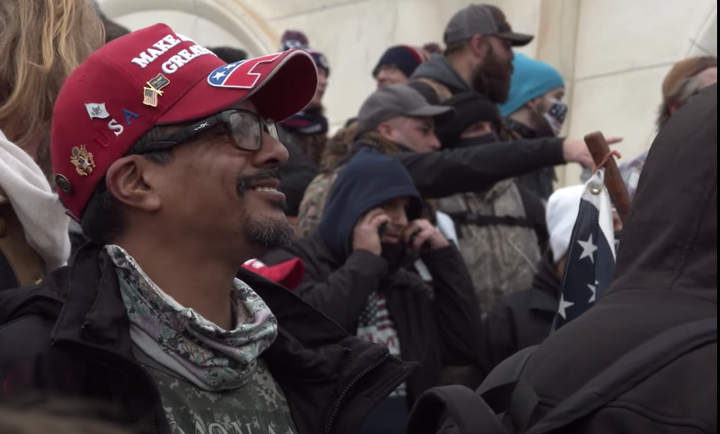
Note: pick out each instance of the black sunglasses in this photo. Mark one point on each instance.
(245, 130)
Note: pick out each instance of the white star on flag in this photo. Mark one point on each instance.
(593, 288)
(589, 249)
(564, 306)
(219, 75)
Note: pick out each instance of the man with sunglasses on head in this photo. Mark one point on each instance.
(169, 159)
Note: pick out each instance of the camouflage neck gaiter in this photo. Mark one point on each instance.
(216, 358)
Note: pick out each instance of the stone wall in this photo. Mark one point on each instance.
(613, 53)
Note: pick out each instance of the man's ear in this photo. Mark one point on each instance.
(479, 47)
(674, 107)
(127, 181)
(386, 130)
(533, 103)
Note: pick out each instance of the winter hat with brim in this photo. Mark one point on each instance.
(531, 79)
(404, 57)
(399, 100)
(295, 39)
(562, 211)
(486, 20)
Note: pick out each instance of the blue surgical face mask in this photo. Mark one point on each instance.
(557, 116)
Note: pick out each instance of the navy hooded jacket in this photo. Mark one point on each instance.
(368, 181)
(438, 331)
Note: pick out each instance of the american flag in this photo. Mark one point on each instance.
(591, 259)
(151, 93)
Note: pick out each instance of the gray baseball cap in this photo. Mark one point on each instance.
(399, 100)
(483, 20)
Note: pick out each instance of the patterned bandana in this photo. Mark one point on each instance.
(219, 359)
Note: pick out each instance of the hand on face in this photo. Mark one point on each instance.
(366, 235)
(420, 232)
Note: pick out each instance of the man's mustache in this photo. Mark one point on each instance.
(244, 183)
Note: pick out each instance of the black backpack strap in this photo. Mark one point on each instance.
(470, 414)
(628, 372)
(469, 218)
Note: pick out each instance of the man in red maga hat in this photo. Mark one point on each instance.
(169, 159)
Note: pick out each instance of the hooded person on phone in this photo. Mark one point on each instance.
(357, 274)
(536, 110)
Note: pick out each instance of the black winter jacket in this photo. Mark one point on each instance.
(667, 276)
(452, 171)
(438, 333)
(70, 336)
(523, 319)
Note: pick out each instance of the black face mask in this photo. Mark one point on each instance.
(478, 141)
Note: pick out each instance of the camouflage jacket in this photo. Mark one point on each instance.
(497, 241)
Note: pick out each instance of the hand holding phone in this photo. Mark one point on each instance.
(422, 235)
(366, 235)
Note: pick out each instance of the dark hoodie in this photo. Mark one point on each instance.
(439, 69)
(666, 277)
(439, 332)
(369, 181)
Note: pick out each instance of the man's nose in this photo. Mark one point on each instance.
(400, 220)
(272, 155)
(434, 143)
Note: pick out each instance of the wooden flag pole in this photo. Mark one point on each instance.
(603, 156)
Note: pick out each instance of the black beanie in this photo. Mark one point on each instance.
(406, 58)
(470, 108)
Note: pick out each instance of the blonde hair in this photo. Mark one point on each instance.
(42, 42)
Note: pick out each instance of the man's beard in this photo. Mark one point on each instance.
(493, 78)
(265, 232)
(269, 234)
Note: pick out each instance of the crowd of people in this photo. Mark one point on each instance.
(186, 247)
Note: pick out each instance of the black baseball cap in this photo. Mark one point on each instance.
(486, 20)
(399, 100)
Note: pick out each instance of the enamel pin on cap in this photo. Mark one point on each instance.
(83, 160)
(156, 85)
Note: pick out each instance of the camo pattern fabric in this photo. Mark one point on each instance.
(313, 204)
(259, 407)
(501, 259)
(219, 359)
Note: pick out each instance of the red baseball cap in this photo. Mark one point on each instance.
(153, 77)
(289, 274)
